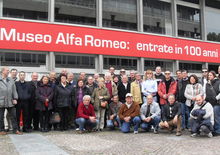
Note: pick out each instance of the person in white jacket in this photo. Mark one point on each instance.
(149, 86)
(201, 118)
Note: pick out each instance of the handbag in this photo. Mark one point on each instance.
(55, 118)
(104, 104)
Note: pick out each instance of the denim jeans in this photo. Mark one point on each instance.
(85, 123)
(126, 125)
(217, 119)
(147, 125)
(110, 123)
(185, 115)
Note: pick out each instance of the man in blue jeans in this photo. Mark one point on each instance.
(85, 117)
(129, 114)
(150, 114)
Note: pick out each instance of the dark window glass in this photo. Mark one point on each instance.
(22, 59)
(119, 63)
(189, 22)
(72, 61)
(213, 68)
(213, 3)
(212, 16)
(26, 9)
(157, 17)
(76, 11)
(196, 68)
(152, 64)
(120, 14)
(192, 1)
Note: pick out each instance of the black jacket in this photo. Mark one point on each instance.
(24, 91)
(122, 91)
(181, 87)
(170, 111)
(212, 89)
(75, 90)
(62, 96)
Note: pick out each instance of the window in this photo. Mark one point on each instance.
(213, 3)
(119, 63)
(189, 24)
(213, 67)
(157, 17)
(76, 11)
(192, 1)
(191, 67)
(152, 64)
(120, 14)
(73, 61)
(26, 9)
(212, 16)
(22, 59)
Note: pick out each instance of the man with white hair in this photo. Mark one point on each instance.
(9, 97)
(112, 88)
(124, 87)
(86, 118)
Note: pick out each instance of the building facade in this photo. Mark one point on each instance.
(182, 21)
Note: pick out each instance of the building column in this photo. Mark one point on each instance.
(50, 61)
(99, 64)
(174, 18)
(203, 24)
(141, 65)
(1, 8)
(140, 19)
(205, 65)
(99, 13)
(51, 6)
(175, 66)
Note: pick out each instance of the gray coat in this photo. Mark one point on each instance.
(8, 92)
(154, 110)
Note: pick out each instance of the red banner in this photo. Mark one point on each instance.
(21, 35)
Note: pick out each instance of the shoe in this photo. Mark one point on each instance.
(210, 135)
(178, 133)
(135, 132)
(3, 133)
(155, 131)
(193, 135)
(77, 129)
(18, 133)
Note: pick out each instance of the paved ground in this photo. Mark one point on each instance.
(107, 143)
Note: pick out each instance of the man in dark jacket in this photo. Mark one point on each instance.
(181, 87)
(91, 84)
(159, 76)
(171, 116)
(34, 114)
(124, 87)
(24, 101)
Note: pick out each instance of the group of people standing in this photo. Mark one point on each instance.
(152, 102)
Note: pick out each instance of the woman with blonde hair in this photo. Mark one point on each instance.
(149, 86)
(100, 99)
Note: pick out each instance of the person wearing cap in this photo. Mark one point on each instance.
(204, 78)
(202, 118)
(171, 116)
(166, 87)
(129, 114)
(150, 114)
